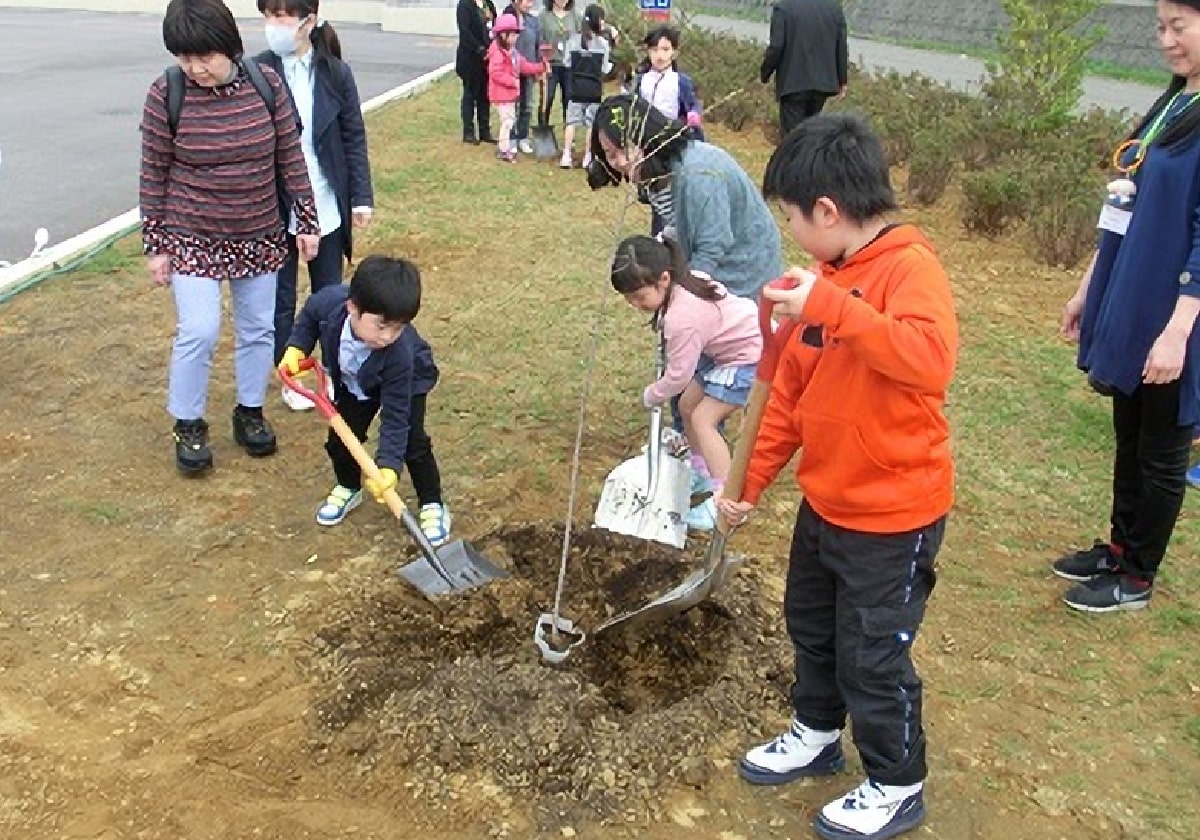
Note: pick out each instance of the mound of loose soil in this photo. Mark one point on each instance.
(457, 692)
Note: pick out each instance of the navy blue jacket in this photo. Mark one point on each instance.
(339, 135)
(1138, 278)
(393, 375)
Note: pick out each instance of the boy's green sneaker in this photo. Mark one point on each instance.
(341, 500)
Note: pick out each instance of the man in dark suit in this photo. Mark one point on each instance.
(808, 55)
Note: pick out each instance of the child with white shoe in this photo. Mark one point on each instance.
(713, 344)
(379, 365)
(586, 58)
(862, 391)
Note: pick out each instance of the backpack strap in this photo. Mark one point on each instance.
(175, 85)
(259, 80)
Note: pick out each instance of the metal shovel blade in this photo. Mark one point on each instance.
(464, 566)
(454, 567)
(695, 588)
(545, 144)
(628, 506)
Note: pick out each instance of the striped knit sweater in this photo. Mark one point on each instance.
(209, 196)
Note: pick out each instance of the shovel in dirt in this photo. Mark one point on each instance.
(711, 576)
(545, 144)
(454, 567)
(648, 496)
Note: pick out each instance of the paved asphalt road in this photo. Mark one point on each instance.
(958, 70)
(72, 86)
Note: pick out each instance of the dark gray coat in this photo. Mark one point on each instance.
(808, 49)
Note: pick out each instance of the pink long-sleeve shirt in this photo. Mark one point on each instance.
(725, 330)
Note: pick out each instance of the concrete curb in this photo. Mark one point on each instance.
(53, 258)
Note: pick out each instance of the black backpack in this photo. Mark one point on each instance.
(587, 77)
(175, 86)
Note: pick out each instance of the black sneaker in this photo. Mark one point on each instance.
(1110, 593)
(192, 455)
(1086, 565)
(469, 136)
(252, 431)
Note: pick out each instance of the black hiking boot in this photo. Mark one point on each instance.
(192, 455)
(252, 431)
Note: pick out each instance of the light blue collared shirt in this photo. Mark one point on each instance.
(352, 354)
(302, 81)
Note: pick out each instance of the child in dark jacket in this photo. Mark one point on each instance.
(673, 94)
(378, 364)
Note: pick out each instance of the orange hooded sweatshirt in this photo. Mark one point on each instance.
(866, 407)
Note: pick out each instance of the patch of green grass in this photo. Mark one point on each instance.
(1162, 661)
(1090, 672)
(1172, 618)
(1192, 730)
(100, 513)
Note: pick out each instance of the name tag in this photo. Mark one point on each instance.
(1114, 219)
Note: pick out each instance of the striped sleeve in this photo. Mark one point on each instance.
(157, 153)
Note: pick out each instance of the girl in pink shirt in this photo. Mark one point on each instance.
(712, 342)
(505, 68)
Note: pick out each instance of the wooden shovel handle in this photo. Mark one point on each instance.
(735, 483)
(366, 463)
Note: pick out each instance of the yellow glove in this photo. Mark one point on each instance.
(292, 357)
(378, 488)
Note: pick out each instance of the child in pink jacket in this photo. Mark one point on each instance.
(713, 345)
(505, 67)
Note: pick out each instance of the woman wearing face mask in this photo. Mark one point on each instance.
(305, 52)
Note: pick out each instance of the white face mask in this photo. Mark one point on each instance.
(281, 38)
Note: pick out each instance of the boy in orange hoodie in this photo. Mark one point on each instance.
(860, 388)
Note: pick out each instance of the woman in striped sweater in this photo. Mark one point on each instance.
(218, 179)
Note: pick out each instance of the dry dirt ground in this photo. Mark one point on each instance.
(197, 659)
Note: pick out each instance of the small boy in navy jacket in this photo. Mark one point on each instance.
(378, 364)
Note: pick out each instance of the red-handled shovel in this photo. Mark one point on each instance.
(454, 567)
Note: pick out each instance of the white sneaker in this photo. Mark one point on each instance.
(565, 161)
(435, 523)
(587, 160)
(872, 812)
(297, 401)
(526, 147)
(798, 753)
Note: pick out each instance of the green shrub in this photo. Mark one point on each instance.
(931, 165)
(1065, 193)
(991, 133)
(993, 199)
